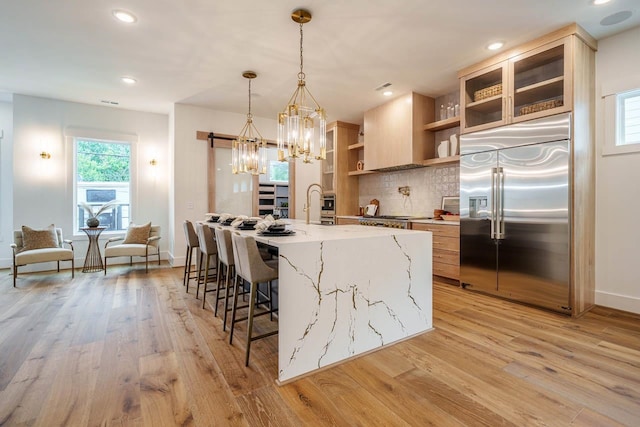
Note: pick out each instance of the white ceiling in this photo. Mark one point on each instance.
(195, 51)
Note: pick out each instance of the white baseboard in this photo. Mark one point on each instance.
(619, 302)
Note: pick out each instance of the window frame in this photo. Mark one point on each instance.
(621, 115)
(71, 135)
(612, 118)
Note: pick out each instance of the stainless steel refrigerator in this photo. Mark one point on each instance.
(515, 194)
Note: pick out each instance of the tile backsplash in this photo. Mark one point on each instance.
(426, 185)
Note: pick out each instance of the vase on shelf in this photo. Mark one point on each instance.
(93, 222)
(453, 149)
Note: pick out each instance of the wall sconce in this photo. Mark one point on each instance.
(153, 162)
(45, 155)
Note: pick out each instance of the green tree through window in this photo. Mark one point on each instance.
(102, 161)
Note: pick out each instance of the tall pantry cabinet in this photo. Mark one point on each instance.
(550, 75)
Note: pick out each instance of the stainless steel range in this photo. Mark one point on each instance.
(388, 221)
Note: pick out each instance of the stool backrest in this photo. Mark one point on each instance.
(190, 234)
(206, 239)
(249, 264)
(225, 247)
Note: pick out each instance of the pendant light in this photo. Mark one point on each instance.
(302, 125)
(249, 149)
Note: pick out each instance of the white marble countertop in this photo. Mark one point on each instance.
(420, 221)
(347, 290)
(315, 233)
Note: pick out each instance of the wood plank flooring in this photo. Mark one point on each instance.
(134, 349)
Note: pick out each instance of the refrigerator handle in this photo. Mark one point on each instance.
(492, 218)
(500, 204)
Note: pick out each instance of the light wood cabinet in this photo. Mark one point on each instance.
(528, 82)
(558, 68)
(394, 133)
(335, 169)
(347, 221)
(446, 248)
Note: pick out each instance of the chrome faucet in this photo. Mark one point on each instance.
(307, 206)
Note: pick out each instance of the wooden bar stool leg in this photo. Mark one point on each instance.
(199, 272)
(218, 283)
(187, 267)
(253, 300)
(226, 295)
(233, 310)
(206, 280)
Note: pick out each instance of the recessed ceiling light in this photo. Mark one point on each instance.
(495, 46)
(597, 2)
(128, 80)
(124, 16)
(387, 93)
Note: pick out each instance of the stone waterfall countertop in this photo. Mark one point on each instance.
(347, 290)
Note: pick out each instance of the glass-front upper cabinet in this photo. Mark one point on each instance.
(541, 81)
(527, 86)
(328, 165)
(483, 97)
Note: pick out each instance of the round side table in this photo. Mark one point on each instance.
(93, 260)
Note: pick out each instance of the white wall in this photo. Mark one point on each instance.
(190, 164)
(618, 194)
(6, 179)
(41, 190)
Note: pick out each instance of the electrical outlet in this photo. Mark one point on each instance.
(404, 190)
(189, 205)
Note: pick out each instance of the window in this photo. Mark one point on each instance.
(628, 118)
(102, 172)
(621, 117)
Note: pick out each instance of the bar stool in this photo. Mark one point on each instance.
(208, 249)
(250, 267)
(226, 264)
(192, 243)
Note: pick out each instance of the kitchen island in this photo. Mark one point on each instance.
(347, 290)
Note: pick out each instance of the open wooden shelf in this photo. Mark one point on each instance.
(443, 124)
(356, 146)
(441, 161)
(354, 173)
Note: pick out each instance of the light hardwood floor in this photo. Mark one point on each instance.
(134, 349)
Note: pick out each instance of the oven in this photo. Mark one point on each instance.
(327, 219)
(386, 221)
(328, 207)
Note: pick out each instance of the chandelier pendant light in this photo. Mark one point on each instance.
(302, 125)
(249, 149)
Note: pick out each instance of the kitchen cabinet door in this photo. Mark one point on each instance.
(540, 82)
(483, 98)
(536, 81)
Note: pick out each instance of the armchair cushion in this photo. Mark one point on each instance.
(39, 239)
(138, 234)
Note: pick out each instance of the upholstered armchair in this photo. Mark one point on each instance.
(35, 246)
(141, 241)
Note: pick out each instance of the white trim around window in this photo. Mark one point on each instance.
(610, 92)
(71, 133)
